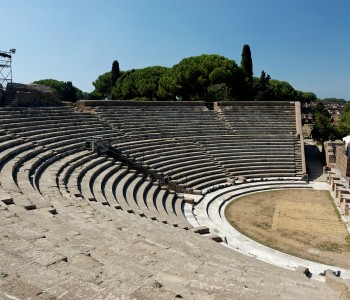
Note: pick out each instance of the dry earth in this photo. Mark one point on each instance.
(300, 222)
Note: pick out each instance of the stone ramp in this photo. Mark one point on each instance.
(314, 164)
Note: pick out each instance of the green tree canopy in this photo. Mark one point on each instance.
(141, 84)
(64, 91)
(305, 97)
(323, 129)
(321, 109)
(207, 77)
(202, 78)
(102, 86)
(282, 91)
(336, 100)
(267, 89)
(344, 123)
(260, 87)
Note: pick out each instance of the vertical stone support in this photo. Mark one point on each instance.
(300, 134)
(81, 104)
(215, 106)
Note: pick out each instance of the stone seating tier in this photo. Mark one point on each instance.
(52, 186)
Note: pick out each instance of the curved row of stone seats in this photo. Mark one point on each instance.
(19, 172)
(68, 172)
(277, 140)
(142, 187)
(89, 177)
(22, 174)
(139, 149)
(94, 182)
(75, 182)
(145, 201)
(122, 194)
(46, 159)
(147, 193)
(83, 250)
(239, 128)
(11, 157)
(250, 118)
(167, 206)
(184, 161)
(157, 203)
(203, 180)
(136, 194)
(256, 157)
(50, 133)
(108, 256)
(77, 179)
(37, 119)
(73, 125)
(209, 211)
(53, 174)
(153, 121)
(160, 203)
(110, 186)
(54, 142)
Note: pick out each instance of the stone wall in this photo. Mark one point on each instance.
(342, 162)
(2, 94)
(30, 95)
(36, 98)
(329, 148)
(338, 284)
(28, 87)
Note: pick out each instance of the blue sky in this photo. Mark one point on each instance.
(304, 42)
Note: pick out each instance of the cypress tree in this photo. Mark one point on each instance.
(246, 62)
(115, 72)
(69, 93)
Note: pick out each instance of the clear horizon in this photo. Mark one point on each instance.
(301, 42)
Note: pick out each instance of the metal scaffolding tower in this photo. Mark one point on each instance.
(6, 66)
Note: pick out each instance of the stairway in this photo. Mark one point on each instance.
(10, 97)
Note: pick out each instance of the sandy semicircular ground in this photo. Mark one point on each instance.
(299, 222)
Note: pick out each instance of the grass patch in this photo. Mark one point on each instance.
(336, 210)
(329, 246)
(347, 241)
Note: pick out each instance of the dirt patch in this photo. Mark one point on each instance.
(303, 223)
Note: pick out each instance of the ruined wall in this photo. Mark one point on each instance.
(29, 95)
(329, 148)
(2, 94)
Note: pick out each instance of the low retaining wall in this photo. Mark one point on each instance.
(338, 284)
